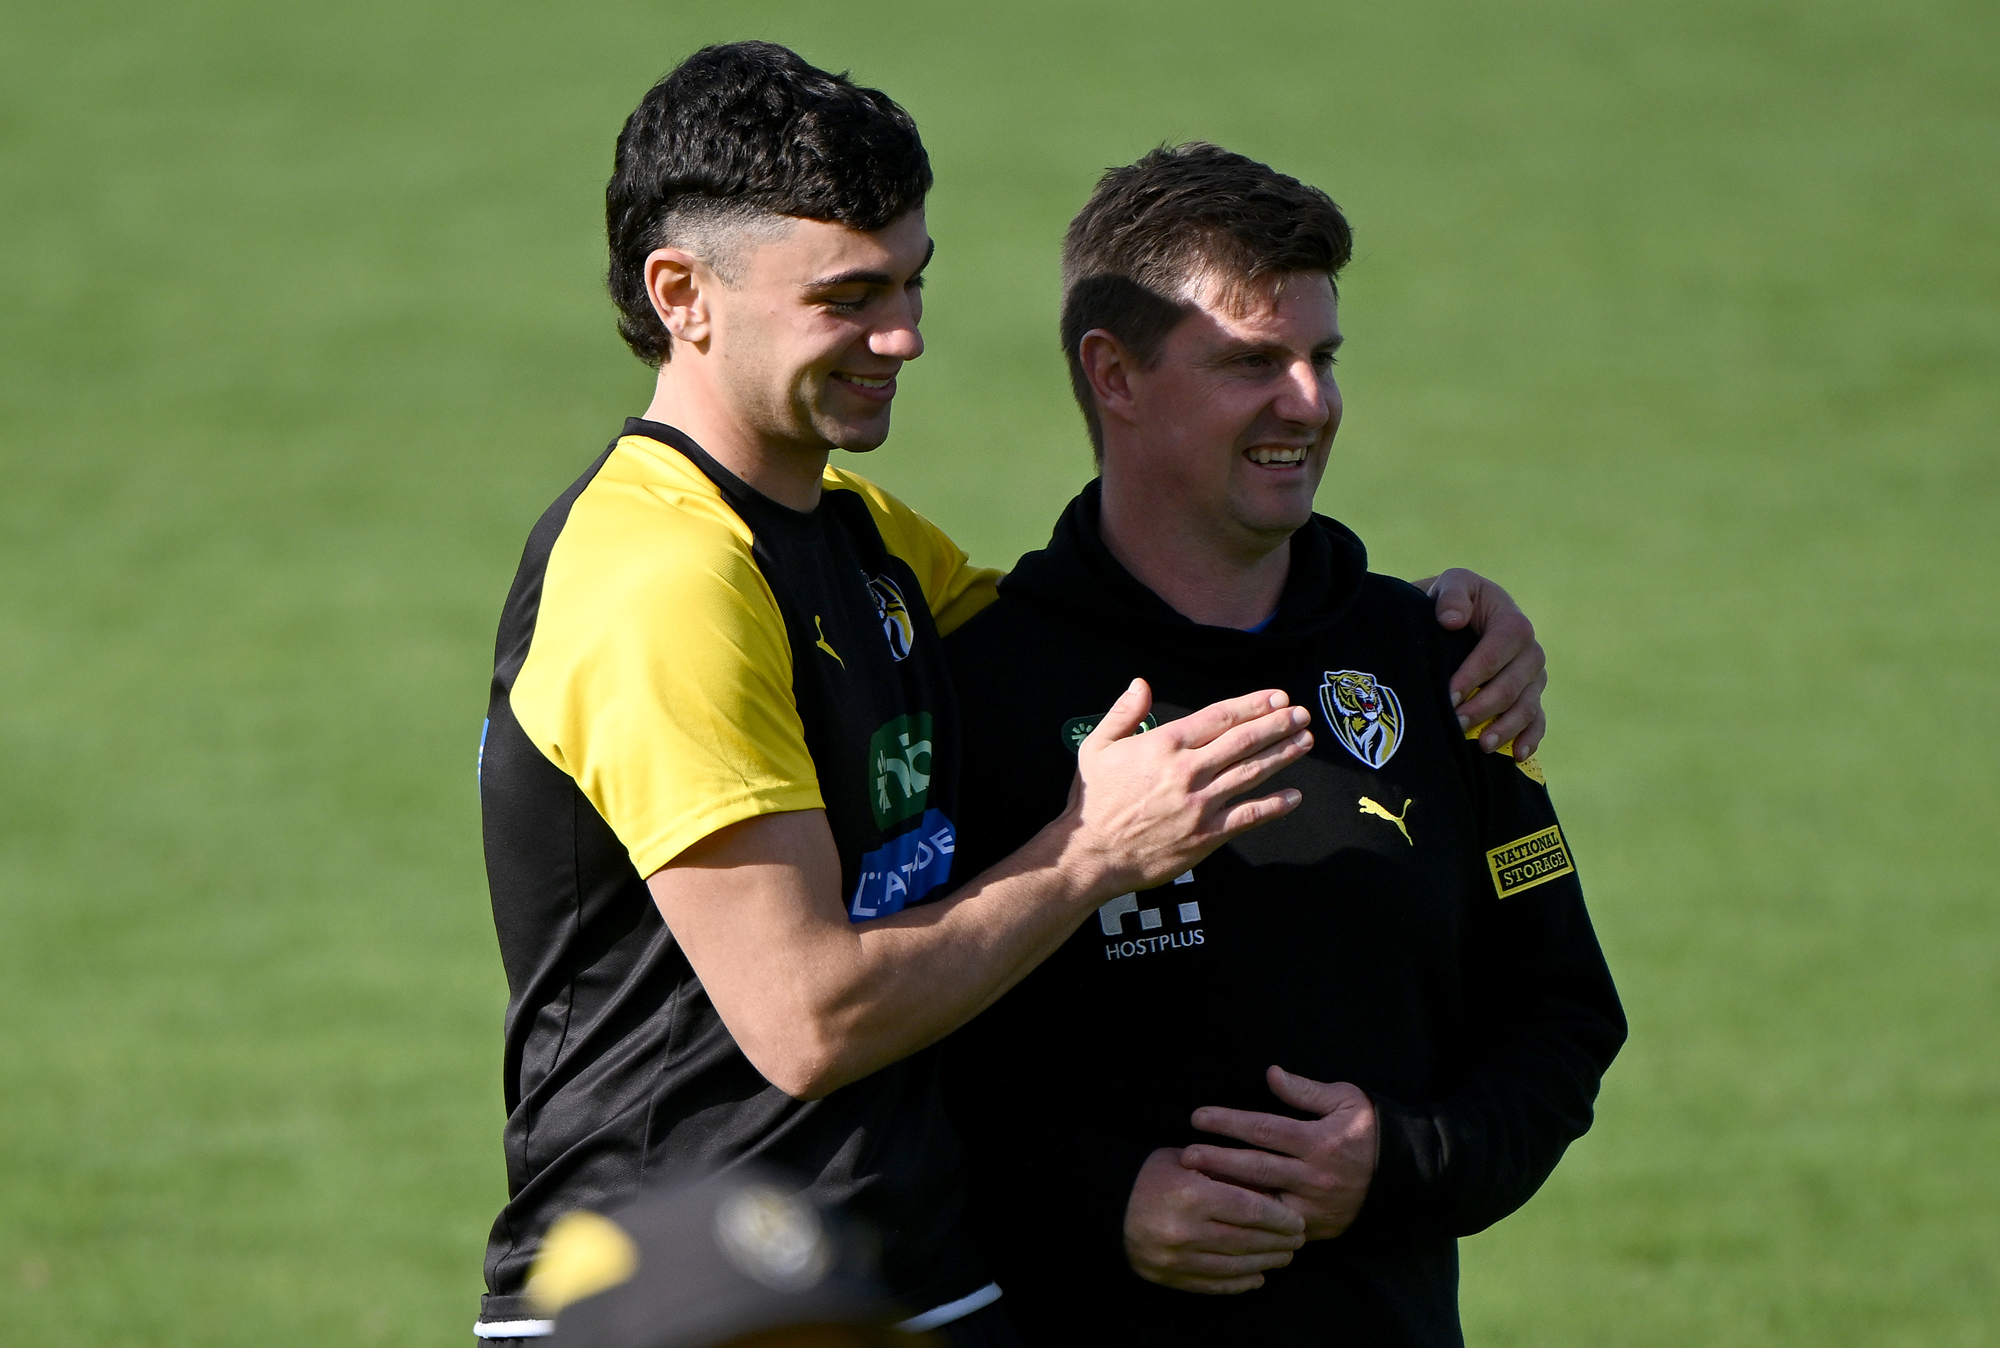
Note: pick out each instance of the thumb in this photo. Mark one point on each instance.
(1454, 598)
(1124, 717)
(1318, 1098)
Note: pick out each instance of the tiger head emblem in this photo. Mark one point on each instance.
(894, 615)
(1365, 715)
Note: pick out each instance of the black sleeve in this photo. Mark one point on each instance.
(1542, 1023)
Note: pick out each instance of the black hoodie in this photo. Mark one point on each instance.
(1415, 927)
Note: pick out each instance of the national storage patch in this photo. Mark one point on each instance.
(1530, 861)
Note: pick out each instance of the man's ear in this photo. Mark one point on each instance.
(678, 285)
(1108, 365)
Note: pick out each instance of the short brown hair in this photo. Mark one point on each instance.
(1182, 212)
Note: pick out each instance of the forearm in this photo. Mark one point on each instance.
(815, 1001)
(1456, 1165)
(1542, 1024)
(878, 991)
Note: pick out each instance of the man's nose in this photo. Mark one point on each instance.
(1303, 400)
(898, 337)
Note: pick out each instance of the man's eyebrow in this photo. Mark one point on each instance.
(1238, 349)
(862, 276)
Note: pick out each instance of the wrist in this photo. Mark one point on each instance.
(1079, 868)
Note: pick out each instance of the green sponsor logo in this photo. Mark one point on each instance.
(1076, 727)
(899, 769)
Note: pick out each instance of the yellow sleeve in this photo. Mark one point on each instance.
(659, 676)
(954, 589)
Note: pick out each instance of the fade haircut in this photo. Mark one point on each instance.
(1184, 217)
(730, 143)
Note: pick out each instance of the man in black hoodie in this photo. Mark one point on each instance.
(1259, 1103)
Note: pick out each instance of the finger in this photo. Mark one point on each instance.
(1314, 1097)
(1122, 720)
(1530, 739)
(1246, 774)
(1196, 1264)
(1453, 593)
(1219, 1287)
(1230, 1239)
(1182, 1282)
(1507, 726)
(1261, 1170)
(1504, 688)
(1504, 662)
(1271, 1132)
(1249, 739)
(1248, 814)
(1200, 728)
(1229, 1204)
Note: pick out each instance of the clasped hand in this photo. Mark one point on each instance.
(1213, 1219)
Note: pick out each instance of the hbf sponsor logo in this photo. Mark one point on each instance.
(899, 769)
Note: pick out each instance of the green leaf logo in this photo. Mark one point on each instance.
(1076, 727)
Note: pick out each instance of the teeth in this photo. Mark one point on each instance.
(865, 383)
(1271, 454)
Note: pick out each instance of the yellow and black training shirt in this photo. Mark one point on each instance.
(680, 653)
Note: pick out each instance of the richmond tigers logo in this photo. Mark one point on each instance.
(894, 615)
(1363, 713)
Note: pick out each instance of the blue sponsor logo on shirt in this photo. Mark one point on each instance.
(904, 869)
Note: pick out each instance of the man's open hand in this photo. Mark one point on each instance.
(1320, 1168)
(1189, 1232)
(1508, 666)
(1145, 807)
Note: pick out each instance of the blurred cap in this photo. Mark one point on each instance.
(699, 1264)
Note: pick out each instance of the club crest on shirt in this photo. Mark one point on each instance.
(1364, 715)
(894, 615)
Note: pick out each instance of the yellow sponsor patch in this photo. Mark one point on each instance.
(1530, 861)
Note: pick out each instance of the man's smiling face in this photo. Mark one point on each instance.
(1236, 417)
(816, 327)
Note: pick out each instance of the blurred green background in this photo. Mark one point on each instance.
(1681, 320)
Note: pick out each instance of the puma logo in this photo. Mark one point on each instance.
(821, 643)
(1370, 807)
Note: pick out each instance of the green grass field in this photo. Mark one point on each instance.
(1683, 321)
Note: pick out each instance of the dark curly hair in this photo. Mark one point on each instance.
(744, 131)
(1182, 212)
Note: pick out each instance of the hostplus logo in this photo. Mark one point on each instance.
(1185, 934)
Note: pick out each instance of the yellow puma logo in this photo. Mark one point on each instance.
(1370, 807)
(821, 643)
